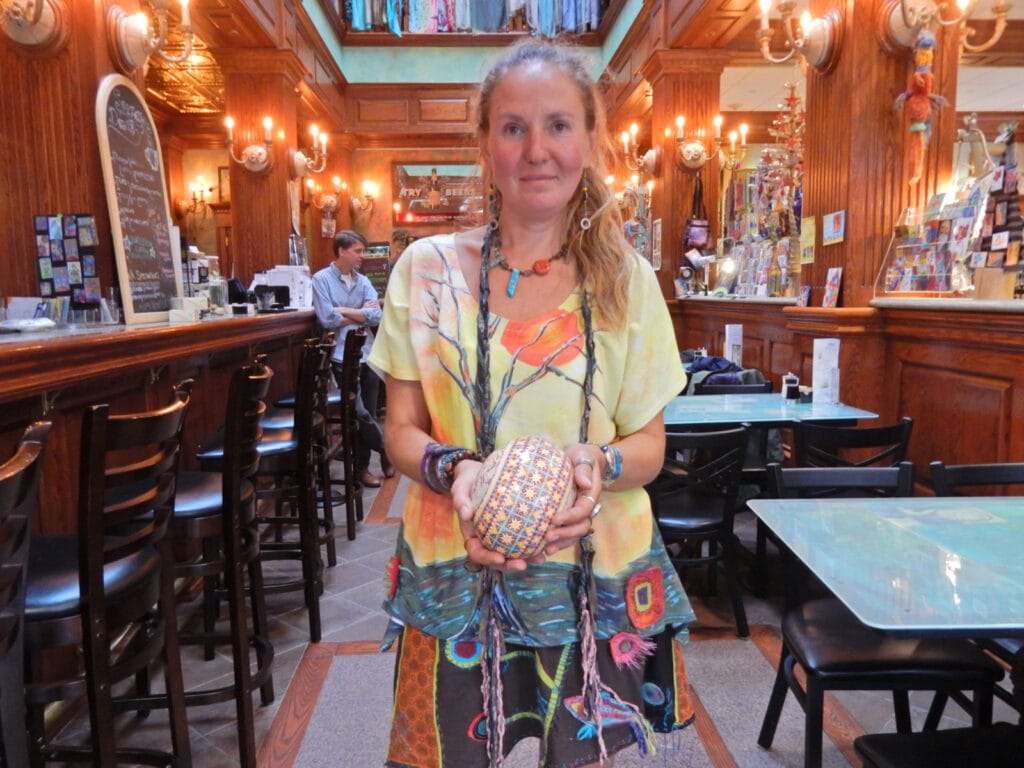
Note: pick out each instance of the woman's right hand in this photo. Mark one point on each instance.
(466, 472)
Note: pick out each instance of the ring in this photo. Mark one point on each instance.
(472, 567)
(595, 510)
(583, 460)
(589, 498)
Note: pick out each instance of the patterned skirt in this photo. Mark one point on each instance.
(439, 719)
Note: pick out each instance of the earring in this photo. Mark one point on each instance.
(492, 207)
(585, 221)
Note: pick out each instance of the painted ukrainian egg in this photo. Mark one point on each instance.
(519, 490)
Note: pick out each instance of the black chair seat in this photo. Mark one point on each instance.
(704, 513)
(288, 401)
(199, 494)
(273, 442)
(284, 418)
(998, 746)
(826, 637)
(52, 591)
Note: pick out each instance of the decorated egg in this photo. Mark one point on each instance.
(520, 488)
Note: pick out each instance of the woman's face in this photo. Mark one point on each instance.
(538, 144)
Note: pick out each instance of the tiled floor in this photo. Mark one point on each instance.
(353, 592)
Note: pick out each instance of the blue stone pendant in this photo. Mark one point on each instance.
(513, 280)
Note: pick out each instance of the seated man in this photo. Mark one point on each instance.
(344, 301)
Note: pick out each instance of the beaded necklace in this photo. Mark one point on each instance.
(482, 386)
(492, 602)
(540, 266)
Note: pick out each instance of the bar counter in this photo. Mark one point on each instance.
(55, 374)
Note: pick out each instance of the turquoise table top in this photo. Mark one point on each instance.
(950, 566)
(768, 409)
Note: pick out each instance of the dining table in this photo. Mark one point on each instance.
(915, 567)
(768, 409)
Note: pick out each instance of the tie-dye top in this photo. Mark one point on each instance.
(428, 334)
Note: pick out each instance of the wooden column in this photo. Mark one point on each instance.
(857, 146)
(260, 83)
(683, 82)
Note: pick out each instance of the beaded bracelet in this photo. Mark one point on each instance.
(437, 467)
(614, 459)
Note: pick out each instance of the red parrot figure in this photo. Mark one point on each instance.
(920, 102)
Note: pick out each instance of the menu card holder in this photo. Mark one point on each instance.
(825, 371)
(733, 347)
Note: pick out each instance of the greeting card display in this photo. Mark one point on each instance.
(66, 255)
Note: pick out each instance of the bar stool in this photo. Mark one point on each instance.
(109, 590)
(289, 461)
(217, 510)
(19, 501)
(281, 418)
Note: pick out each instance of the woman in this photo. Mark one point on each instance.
(542, 322)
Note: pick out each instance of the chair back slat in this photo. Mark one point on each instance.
(855, 482)
(700, 388)
(982, 479)
(818, 445)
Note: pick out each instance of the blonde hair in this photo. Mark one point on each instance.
(602, 254)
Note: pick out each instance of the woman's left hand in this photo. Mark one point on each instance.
(572, 524)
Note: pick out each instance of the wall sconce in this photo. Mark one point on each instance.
(328, 202)
(818, 42)
(132, 41)
(694, 153)
(197, 205)
(649, 162)
(255, 157)
(365, 202)
(36, 25)
(900, 22)
(314, 160)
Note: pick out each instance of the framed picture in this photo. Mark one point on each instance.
(436, 193)
(223, 183)
(835, 277)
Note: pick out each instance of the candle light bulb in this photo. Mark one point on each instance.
(337, 184)
(323, 142)
(805, 24)
(185, 20)
(633, 130)
(268, 125)
(625, 141)
(718, 126)
(732, 141)
(230, 123)
(766, 7)
(743, 134)
(314, 131)
(680, 122)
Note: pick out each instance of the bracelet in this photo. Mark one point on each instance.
(437, 467)
(614, 459)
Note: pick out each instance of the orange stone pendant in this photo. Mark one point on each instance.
(541, 267)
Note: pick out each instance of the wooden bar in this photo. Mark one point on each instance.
(54, 376)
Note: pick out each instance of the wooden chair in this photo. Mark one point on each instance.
(346, 432)
(215, 513)
(19, 501)
(694, 500)
(838, 652)
(109, 590)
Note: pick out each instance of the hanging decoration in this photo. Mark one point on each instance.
(920, 103)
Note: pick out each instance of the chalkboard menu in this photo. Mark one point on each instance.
(140, 219)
